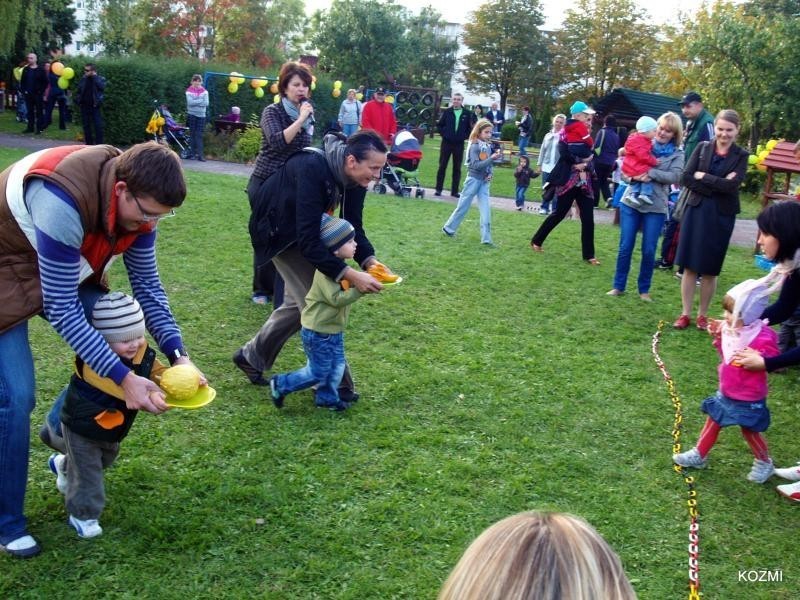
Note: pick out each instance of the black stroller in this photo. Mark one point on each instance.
(166, 130)
(400, 171)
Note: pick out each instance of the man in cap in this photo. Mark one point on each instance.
(379, 116)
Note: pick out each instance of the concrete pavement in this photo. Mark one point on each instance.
(744, 233)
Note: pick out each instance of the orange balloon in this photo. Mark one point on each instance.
(57, 68)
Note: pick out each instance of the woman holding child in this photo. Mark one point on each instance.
(649, 218)
(713, 175)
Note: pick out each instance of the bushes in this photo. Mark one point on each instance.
(509, 132)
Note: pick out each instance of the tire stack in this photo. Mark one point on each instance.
(414, 108)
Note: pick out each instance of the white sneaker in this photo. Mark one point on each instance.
(645, 199)
(789, 473)
(634, 201)
(86, 529)
(543, 211)
(790, 491)
(56, 464)
(761, 471)
(690, 458)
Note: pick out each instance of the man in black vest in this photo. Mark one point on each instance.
(454, 127)
(33, 85)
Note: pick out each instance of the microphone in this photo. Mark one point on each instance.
(311, 119)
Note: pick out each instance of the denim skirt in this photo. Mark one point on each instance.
(726, 412)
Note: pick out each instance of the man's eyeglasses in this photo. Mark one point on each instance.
(147, 217)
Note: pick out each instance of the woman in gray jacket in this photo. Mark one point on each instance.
(196, 105)
(649, 218)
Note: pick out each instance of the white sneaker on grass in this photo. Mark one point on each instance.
(86, 529)
(761, 471)
(789, 473)
(790, 491)
(690, 458)
(56, 464)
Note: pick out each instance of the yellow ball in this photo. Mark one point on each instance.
(233, 87)
(181, 381)
(336, 92)
(57, 68)
(68, 73)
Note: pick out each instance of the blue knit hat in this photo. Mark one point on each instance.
(645, 124)
(335, 232)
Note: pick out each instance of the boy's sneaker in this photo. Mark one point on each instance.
(690, 458)
(543, 211)
(634, 201)
(761, 471)
(789, 473)
(646, 199)
(86, 529)
(790, 491)
(335, 406)
(56, 464)
(277, 397)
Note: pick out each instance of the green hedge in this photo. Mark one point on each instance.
(133, 83)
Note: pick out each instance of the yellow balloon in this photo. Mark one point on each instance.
(313, 85)
(752, 159)
(262, 82)
(63, 83)
(763, 154)
(276, 98)
(57, 68)
(761, 167)
(336, 92)
(359, 96)
(337, 84)
(233, 87)
(68, 73)
(273, 89)
(313, 79)
(390, 99)
(771, 144)
(259, 92)
(18, 73)
(232, 76)
(240, 80)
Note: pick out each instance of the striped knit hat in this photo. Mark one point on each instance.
(335, 232)
(118, 317)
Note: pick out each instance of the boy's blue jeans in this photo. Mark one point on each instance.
(641, 187)
(520, 199)
(325, 366)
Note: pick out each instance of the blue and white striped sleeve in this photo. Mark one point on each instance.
(59, 234)
(140, 261)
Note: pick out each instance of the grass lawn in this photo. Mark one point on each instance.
(493, 381)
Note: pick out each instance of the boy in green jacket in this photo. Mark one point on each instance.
(323, 321)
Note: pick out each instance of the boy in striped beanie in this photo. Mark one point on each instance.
(94, 418)
(323, 321)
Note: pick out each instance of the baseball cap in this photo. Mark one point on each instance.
(380, 90)
(581, 107)
(689, 98)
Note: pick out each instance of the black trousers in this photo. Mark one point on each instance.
(448, 149)
(563, 204)
(35, 106)
(603, 173)
(92, 122)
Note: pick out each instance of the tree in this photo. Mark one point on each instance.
(604, 44)
(507, 51)
(115, 27)
(10, 16)
(44, 26)
(361, 40)
(430, 55)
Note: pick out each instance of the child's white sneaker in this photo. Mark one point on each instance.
(56, 464)
(646, 199)
(761, 471)
(789, 473)
(790, 491)
(634, 201)
(690, 458)
(86, 529)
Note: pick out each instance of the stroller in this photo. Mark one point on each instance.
(165, 130)
(400, 171)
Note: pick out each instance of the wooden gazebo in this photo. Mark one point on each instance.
(781, 159)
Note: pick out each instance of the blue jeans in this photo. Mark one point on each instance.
(630, 220)
(473, 188)
(325, 366)
(349, 130)
(17, 399)
(641, 187)
(197, 126)
(520, 201)
(523, 143)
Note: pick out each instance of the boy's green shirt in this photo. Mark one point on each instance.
(327, 305)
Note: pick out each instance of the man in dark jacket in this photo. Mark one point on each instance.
(89, 97)
(454, 126)
(33, 85)
(606, 147)
(284, 228)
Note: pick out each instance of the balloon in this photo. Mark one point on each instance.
(254, 83)
(390, 99)
(337, 84)
(336, 92)
(262, 82)
(67, 73)
(770, 144)
(359, 96)
(273, 89)
(233, 87)
(232, 77)
(18, 73)
(259, 92)
(313, 85)
(761, 167)
(752, 159)
(276, 98)
(57, 68)
(763, 154)
(63, 83)
(313, 79)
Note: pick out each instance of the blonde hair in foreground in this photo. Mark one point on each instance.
(538, 556)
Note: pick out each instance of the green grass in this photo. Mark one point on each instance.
(493, 381)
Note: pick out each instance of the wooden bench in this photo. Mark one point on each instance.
(221, 125)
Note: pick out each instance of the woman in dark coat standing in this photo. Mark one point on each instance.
(713, 175)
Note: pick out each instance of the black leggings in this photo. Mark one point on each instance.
(564, 203)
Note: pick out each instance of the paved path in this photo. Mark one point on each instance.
(744, 233)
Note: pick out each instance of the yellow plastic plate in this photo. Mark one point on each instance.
(205, 394)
